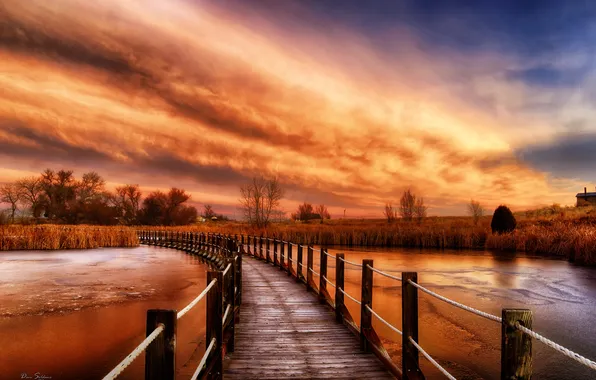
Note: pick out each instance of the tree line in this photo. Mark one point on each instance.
(59, 197)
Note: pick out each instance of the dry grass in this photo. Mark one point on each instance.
(570, 234)
(51, 237)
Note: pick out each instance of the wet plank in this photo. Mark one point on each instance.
(284, 332)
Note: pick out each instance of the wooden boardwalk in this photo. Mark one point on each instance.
(284, 332)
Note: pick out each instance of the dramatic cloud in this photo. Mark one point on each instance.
(345, 110)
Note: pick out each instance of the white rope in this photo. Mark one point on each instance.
(565, 351)
(310, 269)
(225, 316)
(314, 249)
(196, 300)
(330, 255)
(195, 376)
(235, 289)
(134, 354)
(350, 297)
(384, 321)
(430, 359)
(290, 259)
(349, 262)
(329, 282)
(383, 273)
(300, 264)
(457, 304)
(227, 269)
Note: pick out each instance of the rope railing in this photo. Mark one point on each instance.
(430, 359)
(195, 376)
(350, 262)
(315, 273)
(182, 312)
(134, 354)
(349, 296)
(330, 255)
(329, 282)
(383, 320)
(383, 273)
(457, 304)
(225, 316)
(227, 269)
(565, 351)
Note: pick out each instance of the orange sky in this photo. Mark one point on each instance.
(167, 93)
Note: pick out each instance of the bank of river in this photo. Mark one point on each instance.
(561, 295)
(75, 314)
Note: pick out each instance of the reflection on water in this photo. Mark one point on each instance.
(561, 295)
(76, 314)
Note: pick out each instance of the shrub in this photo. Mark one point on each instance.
(503, 220)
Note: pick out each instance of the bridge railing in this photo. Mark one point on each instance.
(223, 294)
(516, 324)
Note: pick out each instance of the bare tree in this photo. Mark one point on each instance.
(32, 195)
(11, 194)
(475, 210)
(208, 212)
(407, 205)
(259, 198)
(390, 213)
(420, 209)
(127, 200)
(323, 212)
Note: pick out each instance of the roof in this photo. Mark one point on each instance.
(583, 195)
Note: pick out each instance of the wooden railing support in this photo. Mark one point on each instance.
(160, 356)
(289, 259)
(409, 308)
(230, 299)
(309, 268)
(261, 247)
(516, 347)
(275, 262)
(282, 255)
(323, 275)
(366, 300)
(299, 275)
(339, 284)
(268, 250)
(214, 327)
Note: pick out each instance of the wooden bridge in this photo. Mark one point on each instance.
(284, 331)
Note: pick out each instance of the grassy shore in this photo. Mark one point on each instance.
(564, 233)
(51, 237)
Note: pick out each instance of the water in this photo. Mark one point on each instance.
(76, 314)
(561, 295)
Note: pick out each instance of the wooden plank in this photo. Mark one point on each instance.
(286, 333)
(516, 347)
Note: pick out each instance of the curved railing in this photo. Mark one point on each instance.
(223, 293)
(516, 324)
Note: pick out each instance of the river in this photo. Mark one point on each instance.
(562, 297)
(75, 314)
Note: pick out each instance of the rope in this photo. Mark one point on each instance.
(196, 300)
(225, 316)
(134, 354)
(310, 269)
(227, 269)
(329, 282)
(235, 289)
(330, 255)
(382, 320)
(349, 262)
(457, 304)
(350, 297)
(383, 273)
(570, 354)
(430, 359)
(195, 376)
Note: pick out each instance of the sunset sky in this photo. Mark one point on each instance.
(347, 102)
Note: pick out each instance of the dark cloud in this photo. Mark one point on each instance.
(548, 76)
(569, 155)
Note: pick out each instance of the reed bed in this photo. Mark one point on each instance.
(54, 237)
(571, 239)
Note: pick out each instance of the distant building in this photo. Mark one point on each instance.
(585, 198)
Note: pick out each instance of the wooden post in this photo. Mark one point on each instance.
(231, 300)
(254, 241)
(309, 267)
(214, 323)
(516, 347)
(268, 260)
(261, 247)
(281, 254)
(323, 275)
(275, 252)
(409, 309)
(160, 355)
(366, 300)
(339, 284)
(239, 276)
(289, 259)
(299, 275)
